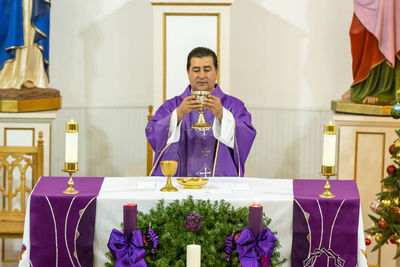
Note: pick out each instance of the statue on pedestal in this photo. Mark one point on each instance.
(375, 47)
(24, 56)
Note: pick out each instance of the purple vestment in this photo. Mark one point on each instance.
(198, 152)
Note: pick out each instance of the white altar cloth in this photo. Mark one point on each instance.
(276, 196)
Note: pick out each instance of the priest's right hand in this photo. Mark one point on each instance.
(188, 104)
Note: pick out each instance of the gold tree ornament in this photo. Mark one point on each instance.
(379, 237)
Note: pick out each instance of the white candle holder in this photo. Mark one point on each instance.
(71, 127)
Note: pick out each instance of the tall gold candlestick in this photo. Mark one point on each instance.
(329, 157)
(71, 154)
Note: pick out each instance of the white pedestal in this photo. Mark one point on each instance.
(363, 155)
(22, 129)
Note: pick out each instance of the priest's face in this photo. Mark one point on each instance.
(202, 74)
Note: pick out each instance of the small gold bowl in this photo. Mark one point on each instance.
(192, 182)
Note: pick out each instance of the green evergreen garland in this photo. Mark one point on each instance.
(220, 219)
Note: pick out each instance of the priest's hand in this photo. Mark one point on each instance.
(213, 103)
(188, 104)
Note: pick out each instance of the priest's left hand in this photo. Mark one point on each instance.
(213, 103)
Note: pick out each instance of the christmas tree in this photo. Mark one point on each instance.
(387, 221)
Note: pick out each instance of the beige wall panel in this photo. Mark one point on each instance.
(346, 153)
(368, 175)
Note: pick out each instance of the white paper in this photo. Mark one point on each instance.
(146, 185)
(240, 187)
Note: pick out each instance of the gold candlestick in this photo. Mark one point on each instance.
(70, 167)
(328, 171)
(329, 157)
(71, 154)
(168, 168)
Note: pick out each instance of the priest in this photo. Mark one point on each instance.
(219, 151)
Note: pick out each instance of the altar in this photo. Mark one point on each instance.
(108, 196)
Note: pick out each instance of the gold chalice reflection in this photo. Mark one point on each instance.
(168, 168)
(201, 123)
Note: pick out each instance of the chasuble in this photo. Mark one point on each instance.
(198, 152)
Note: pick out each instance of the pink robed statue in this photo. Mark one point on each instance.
(375, 47)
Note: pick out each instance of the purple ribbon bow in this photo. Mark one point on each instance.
(127, 251)
(256, 252)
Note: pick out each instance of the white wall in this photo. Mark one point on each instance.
(101, 52)
(291, 54)
(289, 59)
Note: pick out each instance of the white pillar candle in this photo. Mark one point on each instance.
(193, 255)
(71, 142)
(71, 147)
(329, 152)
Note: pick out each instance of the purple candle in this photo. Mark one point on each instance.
(130, 219)
(255, 218)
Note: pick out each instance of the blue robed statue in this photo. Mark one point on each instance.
(24, 43)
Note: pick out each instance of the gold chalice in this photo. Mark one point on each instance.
(201, 123)
(168, 168)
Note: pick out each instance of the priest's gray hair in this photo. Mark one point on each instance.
(202, 52)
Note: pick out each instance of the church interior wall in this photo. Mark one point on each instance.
(289, 59)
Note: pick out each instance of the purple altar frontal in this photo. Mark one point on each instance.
(62, 226)
(325, 230)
